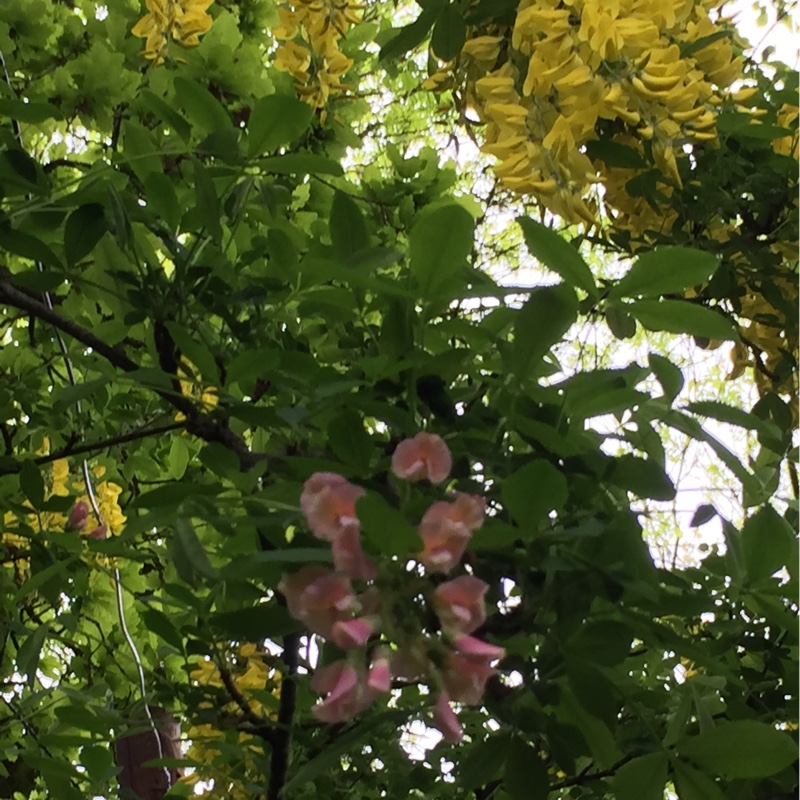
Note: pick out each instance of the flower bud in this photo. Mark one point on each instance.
(78, 516)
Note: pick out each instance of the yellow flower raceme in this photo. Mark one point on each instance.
(181, 21)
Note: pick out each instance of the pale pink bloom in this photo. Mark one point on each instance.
(328, 502)
(351, 633)
(446, 529)
(459, 604)
(445, 719)
(424, 456)
(348, 557)
(318, 597)
(379, 677)
(465, 678)
(478, 649)
(100, 532)
(346, 695)
(78, 516)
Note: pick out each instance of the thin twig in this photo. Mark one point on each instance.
(281, 746)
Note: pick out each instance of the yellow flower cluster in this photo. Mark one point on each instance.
(59, 484)
(192, 386)
(181, 21)
(309, 32)
(249, 673)
(568, 70)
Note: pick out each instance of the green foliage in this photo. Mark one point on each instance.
(249, 291)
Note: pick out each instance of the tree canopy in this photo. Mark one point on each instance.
(398, 400)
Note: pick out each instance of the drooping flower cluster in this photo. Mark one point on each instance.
(181, 21)
(364, 622)
(249, 672)
(310, 32)
(59, 483)
(647, 73)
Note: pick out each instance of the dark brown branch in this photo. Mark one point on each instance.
(197, 423)
(100, 444)
(281, 746)
(260, 724)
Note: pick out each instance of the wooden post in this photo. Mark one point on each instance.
(148, 783)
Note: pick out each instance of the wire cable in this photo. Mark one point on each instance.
(118, 593)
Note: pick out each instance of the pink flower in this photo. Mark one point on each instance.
(459, 604)
(318, 597)
(348, 557)
(100, 532)
(424, 456)
(328, 502)
(352, 633)
(465, 678)
(78, 516)
(346, 695)
(445, 719)
(478, 649)
(446, 528)
(379, 677)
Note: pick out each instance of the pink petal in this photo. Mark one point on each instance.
(470, 646)
(349, 558)
(78, 516)
(380, 676)
(328, 502)
(445, 719)
(352, 633)
(424, 456)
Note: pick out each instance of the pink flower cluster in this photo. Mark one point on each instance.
(377, 649)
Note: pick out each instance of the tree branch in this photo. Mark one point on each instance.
(261, 724)
(197, 423)
(279, 761)
(89, 447)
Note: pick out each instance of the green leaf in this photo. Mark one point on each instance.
(619, 322)
(249, 365)
(546, 316)
(679, 316)
(668, 375)
(605, 642)
(702, 514)
(276, 120)
(349, 441)
(166, 113)
(449, 33)
(30, 651)
(32, 113)
(387, 529)
(84, 228)
(767, 544)
(300, 164)
(691, 784)
(32, 483)
(208, 205)
(741, 749)
(532, 492)
(614, 154)
(98, 761)
(198, 353)
(139, 150)
(265, 621)
(482, 762)
(162, 199)
(439, 244)
(161, 625)
(666, 270)
(525, 775)
(349, 232)
(204, 111)
(258, 565)
(178, 458)
(350, 740)
(21, 244)
(732, 415)
(409, 37)
(188, 552)
(641, 476)
(643, 778)
(545, 245)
